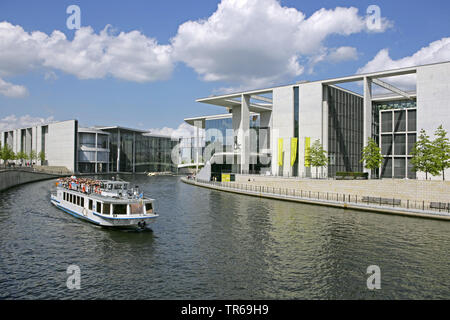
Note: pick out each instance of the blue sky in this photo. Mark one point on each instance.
(245, 45)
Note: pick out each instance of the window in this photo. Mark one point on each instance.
(399, 168)
(136, 208)
(386, 122)
(70, 197)
(91, 203)
(64, 196)
(412, 116)
(106, 208)
(411, 172)
(98, 207)
(149, 208)
(120, 209)
(386, 144)
(411, 142)
(400, 121)
(386, 169)
(82, 201)
(78, 200)
(400, 144)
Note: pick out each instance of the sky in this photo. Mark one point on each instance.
(142, 64)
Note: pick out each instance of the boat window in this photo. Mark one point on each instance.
(136, 208)
(99, 207)
(78, 200)
(82, 201)
(91, 203)
(64, 196)
(120, 209)
(106, 208)
(149, 208)
(70, 197)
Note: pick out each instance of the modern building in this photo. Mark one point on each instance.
(96, 149)
(292, 117)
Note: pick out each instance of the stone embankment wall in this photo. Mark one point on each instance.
(11, 178)
(415, 190)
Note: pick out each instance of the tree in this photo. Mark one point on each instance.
(6, 154)
(21, 156)
(317, 156)
(441, 150)
(42, 157)
(371, 155)
(33, 155)
(423, 155)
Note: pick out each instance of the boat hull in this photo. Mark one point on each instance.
(128, 222)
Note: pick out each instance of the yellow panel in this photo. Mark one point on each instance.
(307, 149)
(294, 143)
(280, 152)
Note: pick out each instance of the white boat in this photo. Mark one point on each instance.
(106, 203)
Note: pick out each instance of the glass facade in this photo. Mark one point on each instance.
(133, 151)
(345, 131)
(220, 131)
(93, 152)
(296, 127)
(216, 131)
(398, 136)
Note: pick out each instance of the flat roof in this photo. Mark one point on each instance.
(146, 133)
(192, 120)
(356, 77)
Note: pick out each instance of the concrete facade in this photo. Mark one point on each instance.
(433, 101)
(60, 141)
(278, 110)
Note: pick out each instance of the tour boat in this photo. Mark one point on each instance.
(107, 203)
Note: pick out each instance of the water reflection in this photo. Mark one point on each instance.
(214, 245)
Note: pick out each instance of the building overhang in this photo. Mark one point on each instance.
(202, 119)
(234, 100)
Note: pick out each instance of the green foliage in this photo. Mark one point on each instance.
(424, 158)
(6, 153)
(441, 150)
(352, 174)
(371, 155)
(317, 155)
(21, 156)
(32, 155)
(42, 157)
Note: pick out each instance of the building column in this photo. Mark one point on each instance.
(244, 133)
(324, 139)
(197, 125)
(118, 150)
(134, 152)
(96, 152)
(265, 135)
(367, 115)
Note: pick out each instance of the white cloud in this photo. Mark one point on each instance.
(260, 42)
(251, 43)
(129, 56)
(343, 54)
(12, 90)
(437, 51)
(183, 130)
(13, 122)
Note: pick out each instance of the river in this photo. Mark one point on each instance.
(209, 244)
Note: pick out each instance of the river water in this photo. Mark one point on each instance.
(213, 245)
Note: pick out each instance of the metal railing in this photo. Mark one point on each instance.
(341, 198)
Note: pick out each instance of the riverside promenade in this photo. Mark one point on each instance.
(368, 203)
(13, 177)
